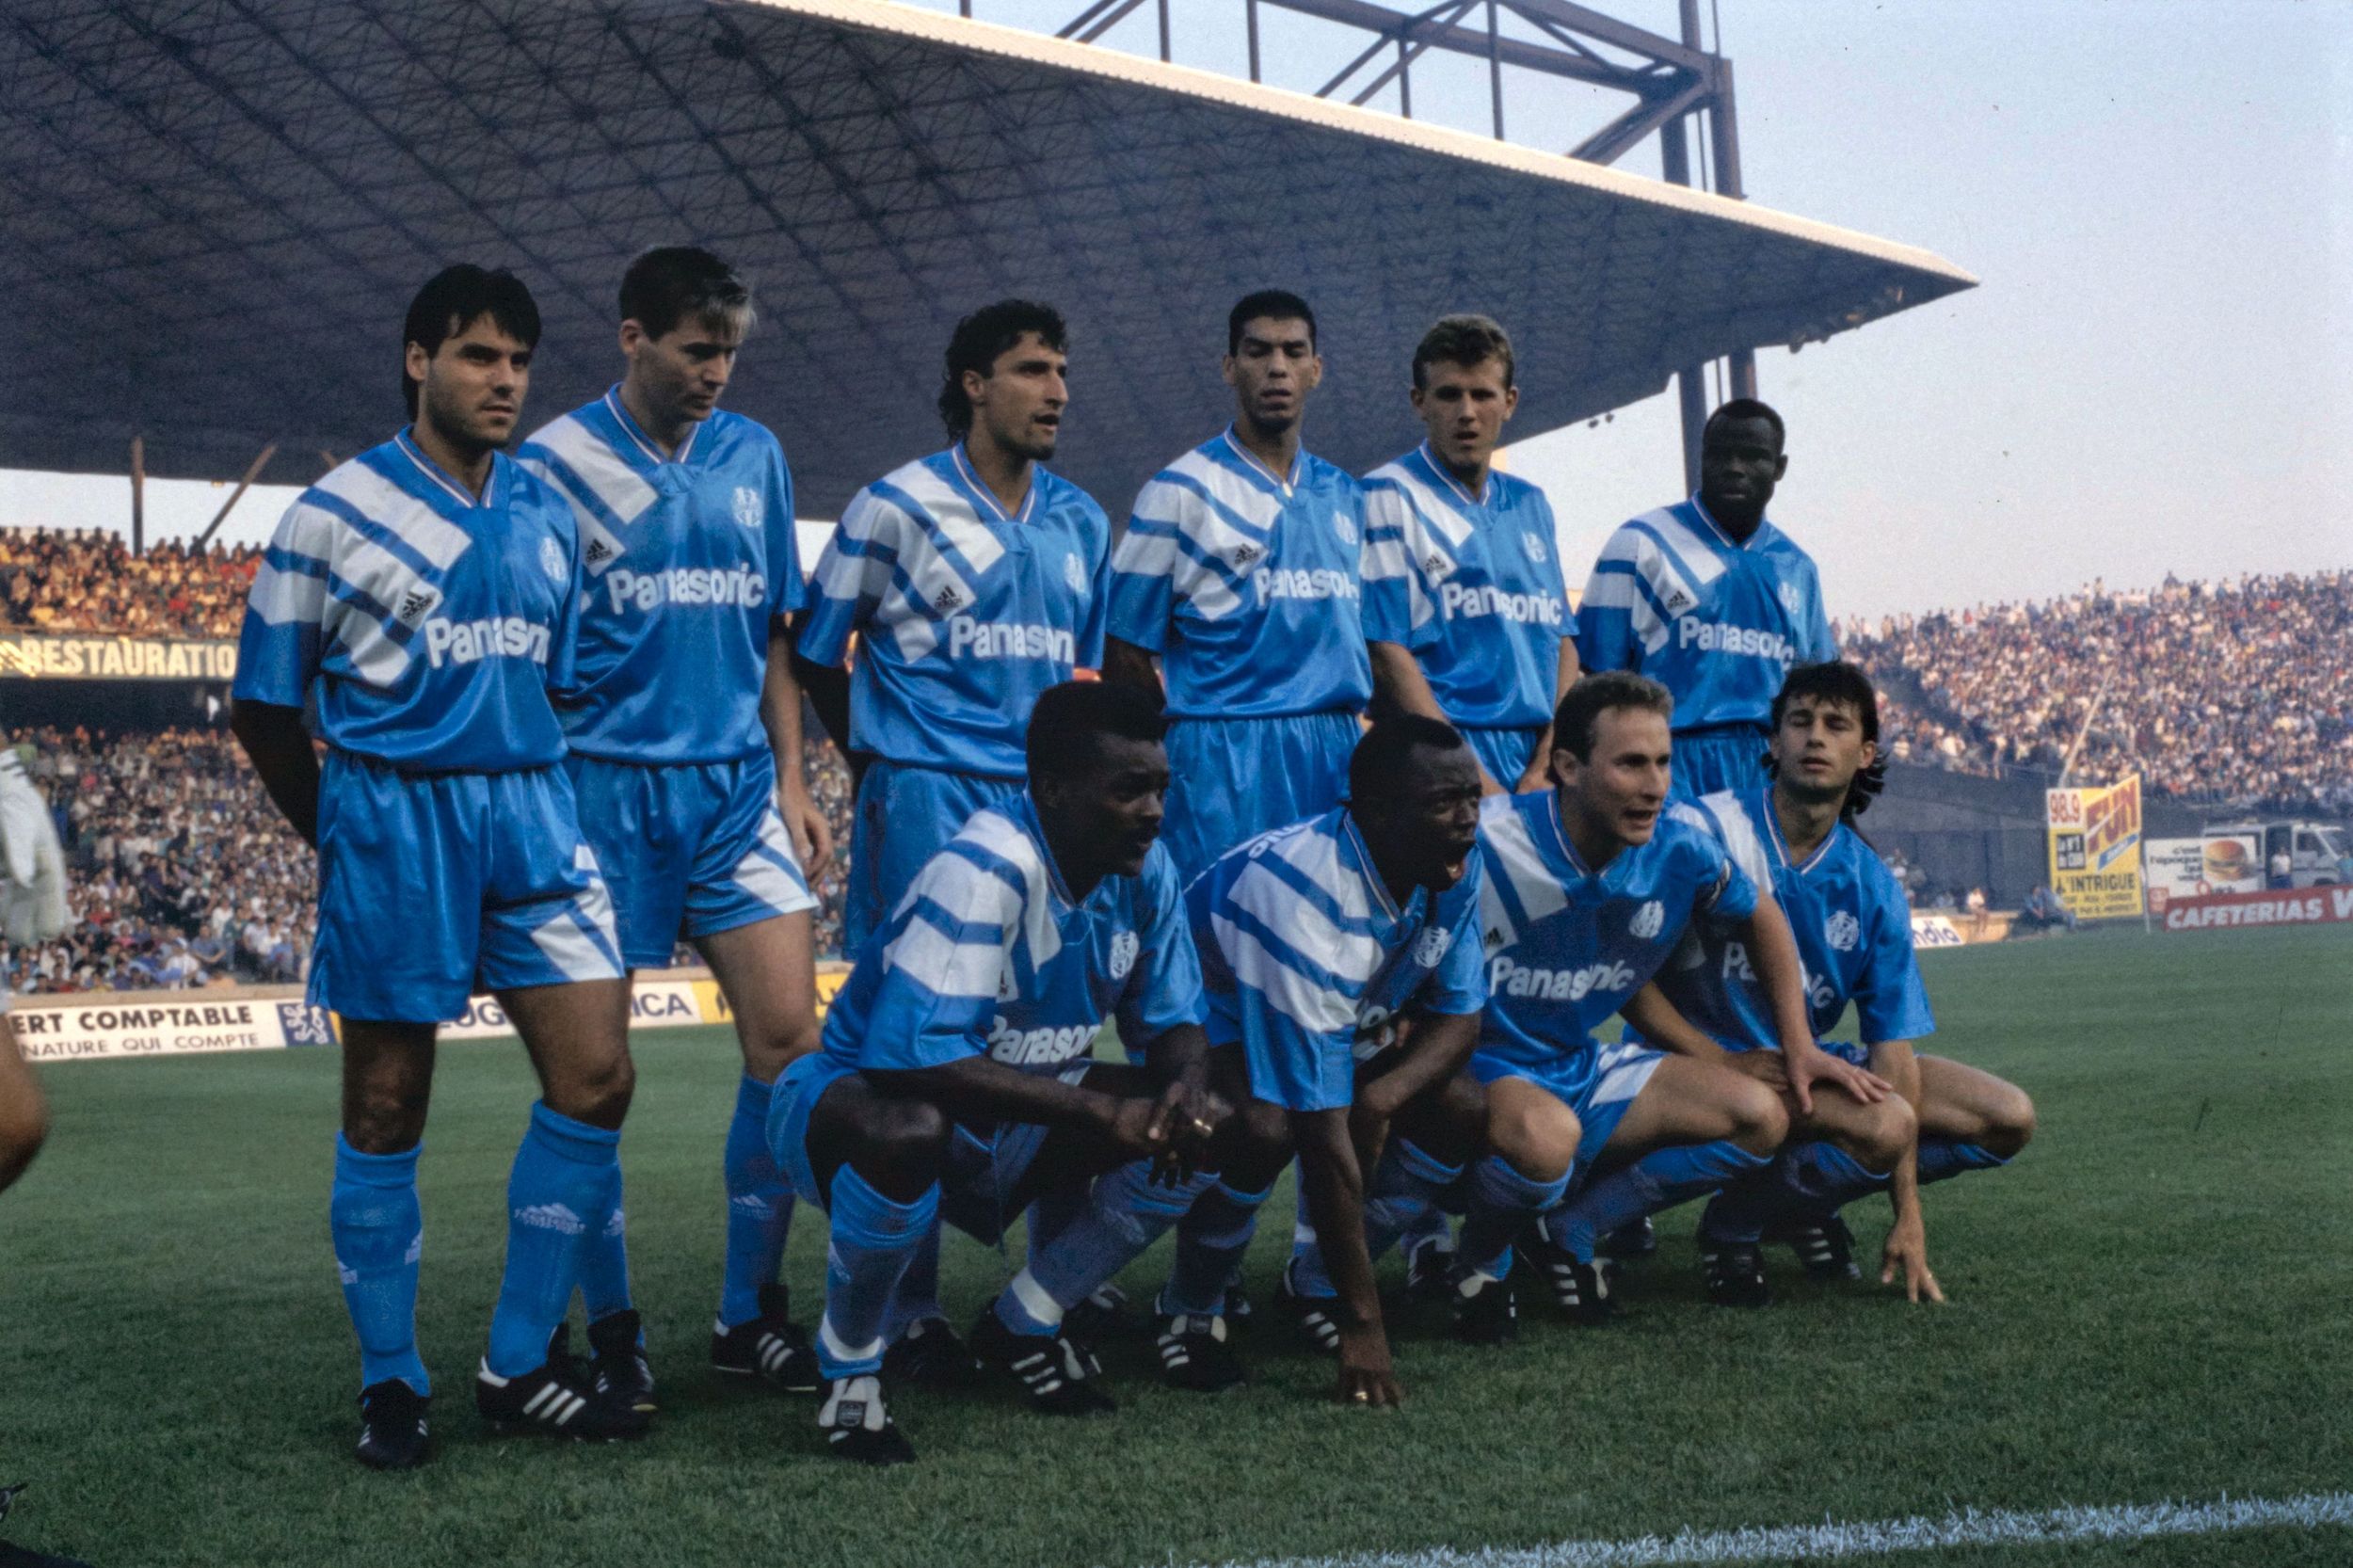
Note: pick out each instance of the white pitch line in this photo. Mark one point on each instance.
(1966, 1528)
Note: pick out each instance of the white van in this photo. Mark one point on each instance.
(2315, 851)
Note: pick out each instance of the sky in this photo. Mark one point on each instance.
(2153, 378)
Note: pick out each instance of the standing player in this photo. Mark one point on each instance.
(1464, 601)
(424, 596)
(1854, 936)
(1240, 570)
(1590, 885)
(974, 580)
(699, 816)
(1712, 601)
(955, 1078)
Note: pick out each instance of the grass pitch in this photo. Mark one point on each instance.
(2150, 1304)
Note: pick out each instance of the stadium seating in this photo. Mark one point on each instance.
(2238, 693)
(86, 580)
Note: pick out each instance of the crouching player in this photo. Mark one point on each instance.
(1590, 887)
(1340, 959)
(685, 734)
(954, 1082)
(425, 594)
(1854, 936)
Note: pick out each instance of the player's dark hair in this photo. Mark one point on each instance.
(1383, 754)
(1070, 721)
(1746, 408)
(1465, 341)
(1583, 704)
(1271, 305)
(454, 299)
(980, 338)
(684, 282)
(1844, 684)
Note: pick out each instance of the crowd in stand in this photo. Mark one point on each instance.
(181, 874)
(2234, 693)
(86, 580)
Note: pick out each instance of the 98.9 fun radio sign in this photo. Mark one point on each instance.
(2095, 850)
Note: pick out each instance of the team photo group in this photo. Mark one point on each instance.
(1313, 786)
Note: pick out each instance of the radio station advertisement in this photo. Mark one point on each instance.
(2095, 850)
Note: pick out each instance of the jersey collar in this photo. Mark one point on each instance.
(1445, 476)
(493, 489)
(1249, 460)
(1757, 540)
(1770, 819)
(985, 499)
(643, 443)
(1352, 837)
(1036, 831)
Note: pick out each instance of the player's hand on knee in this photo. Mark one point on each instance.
(1817, 1068)
(1367, 1376)
(1136, 1129)
(1907, 1252)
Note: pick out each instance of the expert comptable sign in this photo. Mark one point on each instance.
(116, 659)
(97, 1030)
(2216, 911)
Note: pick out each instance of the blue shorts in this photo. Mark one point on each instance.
(1232, 780)
(1504, 753)
(905, 815)
(1610, 1084)
(984, 1165)
(691, 848)
(1717, 759)
(432, 886)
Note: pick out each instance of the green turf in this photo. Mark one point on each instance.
(2149, 1305)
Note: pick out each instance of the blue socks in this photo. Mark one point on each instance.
(1126, 1212)
(760, 1206)
(566, 1178)
(873, 1242)
(604, 1259)
(1209, 1245)
(1658, 1180)
(919, 1287)
(1943, 1159)
(1401, 1202)
(1501, 1201)
(378, 1230)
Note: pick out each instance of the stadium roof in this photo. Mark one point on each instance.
(212, 217)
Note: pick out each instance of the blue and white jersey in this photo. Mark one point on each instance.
(965, 612)
(1718, 624)
(1306, 959)
(1470, 585)
(1566, 946)
(1248, 586)
(432, 623)
(987, 953)
(1853, 931)
(687, 559)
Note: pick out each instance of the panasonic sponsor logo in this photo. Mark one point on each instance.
(650, 590)
(991, 639)
(1716, 636)
(1506, 978)
(1038, 1047)
(463, 642)
(1487, 600)
(1303, 583)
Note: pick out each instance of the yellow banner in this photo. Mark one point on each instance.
(713, 1004)
(2095, 850)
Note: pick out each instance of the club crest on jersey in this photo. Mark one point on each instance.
(415, 605)
(1789, 597)
(1843, 931)
(1345, 526)
(552, 560)
(1431, 950)
(1536, 551)
(1124, 949)
(1648, 920)
(1074, 574)
(747, 505)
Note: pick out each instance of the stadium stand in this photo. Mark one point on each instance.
(86, 580)
(183, 875)
(2237, 692)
